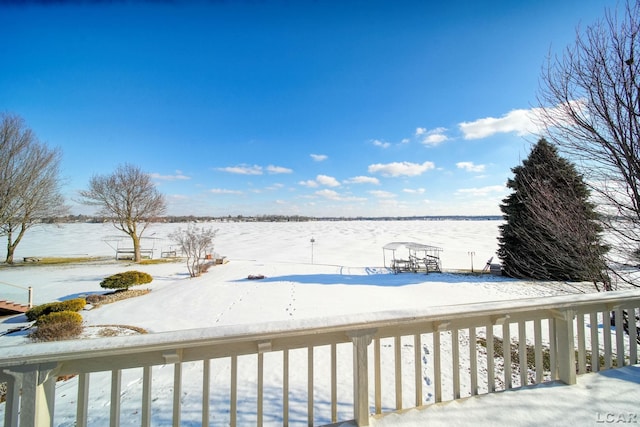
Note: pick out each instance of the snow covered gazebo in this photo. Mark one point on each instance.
(411, 256)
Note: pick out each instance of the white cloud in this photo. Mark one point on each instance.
(224, 191)
(274, 187)
(382, 144)
(401, 168)
(319, 157)
(382, 194)
(177, 177)
(414, 190)
(243, 170)
(521, 122)
(482, 191)
(278, 169)
(329, 181)
(432, 137)
(334, 195)
(470, 167)
(329, 194)
(309, 183)
(363, 180)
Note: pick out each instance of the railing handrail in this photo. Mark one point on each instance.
(30, 371)
(14, 286)
(292, 333)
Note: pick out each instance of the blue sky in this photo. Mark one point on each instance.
(321, 108)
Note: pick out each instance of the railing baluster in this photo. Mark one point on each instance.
(417, 365)
(606, 331)
(633, 336)
(522, 353)
(206, 391)
(233, 400)
(260, 390)
(310, 386)
(455, 361)
(437, 372)
(582, 358)
(595, 346)
(537, 333)
(377, 377)
(285, 387)
(13, 382)
(506, 354)
(83, 400)
(473, 360)
(334, 383)
(397, 346)
(114, 412)
(553, 356)
(619, 337)
(147, 373)
(177, 392)
(491, 379)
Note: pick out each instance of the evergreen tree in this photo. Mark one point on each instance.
(552, 230)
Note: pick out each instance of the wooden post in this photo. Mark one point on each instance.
(37, 395)
(361, 340)
(565, 348)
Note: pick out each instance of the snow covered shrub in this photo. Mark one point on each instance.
(58, 317)
(57, 326)
(125, 280)
(38, 311)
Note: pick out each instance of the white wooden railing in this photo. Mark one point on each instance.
(353, 367)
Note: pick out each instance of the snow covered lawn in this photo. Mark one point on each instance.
(347, 277)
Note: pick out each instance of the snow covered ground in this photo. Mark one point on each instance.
(341, 273)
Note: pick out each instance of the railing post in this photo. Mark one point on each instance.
(565, 347)
(12, 408)
(30, 395)
(361, 340)
(30, 297)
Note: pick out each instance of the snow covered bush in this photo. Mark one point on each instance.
(125, 280)
(38, 311)
(57, 326)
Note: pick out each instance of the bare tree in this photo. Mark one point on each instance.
(29, 181)
(590, 103)
(196, 243)
(129, 198)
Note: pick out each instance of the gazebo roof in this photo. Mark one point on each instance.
(410, 245)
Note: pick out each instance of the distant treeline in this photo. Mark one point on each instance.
(271, 218)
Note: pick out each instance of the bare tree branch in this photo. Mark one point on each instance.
(29, 181)
(195, 244)
(590, 103)
(129, 197)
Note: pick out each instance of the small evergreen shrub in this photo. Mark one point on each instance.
(38, 311)
(59, 317)
(57, 326)
(125, 280)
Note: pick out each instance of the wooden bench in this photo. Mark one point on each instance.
(129, 253)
